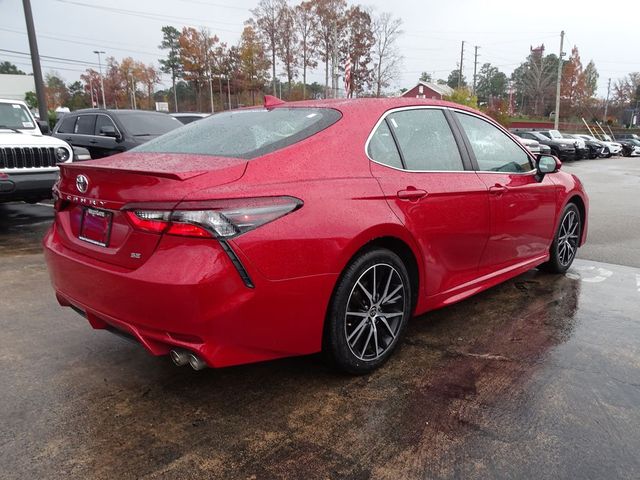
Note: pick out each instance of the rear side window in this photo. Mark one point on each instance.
(426, 140)
(494, 151)
(67, 123)
(244, 133)
(85, 125)
(382, 148)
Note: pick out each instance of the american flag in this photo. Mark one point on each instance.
(347, 78)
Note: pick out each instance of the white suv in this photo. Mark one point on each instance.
(28, 159)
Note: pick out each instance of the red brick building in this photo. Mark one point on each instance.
(428, 90)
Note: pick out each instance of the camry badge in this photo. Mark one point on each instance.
(82, 183)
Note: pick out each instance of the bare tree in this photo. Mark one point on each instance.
(288, 45)
(356, 45)
(268, 15)
(306, 26)
(386, 56)
(329, 14)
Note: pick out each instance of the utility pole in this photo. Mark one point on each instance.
(35, 61)
(556, 120)
(475, 69)
(461, 60)
(606, 102)
(98, 52)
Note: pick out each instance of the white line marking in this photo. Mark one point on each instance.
(44, 205)
(590, 274)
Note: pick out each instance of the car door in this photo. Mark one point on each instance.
(105, 144)
(84, 131)
(522, 207)
(65, 130)
(429, 184)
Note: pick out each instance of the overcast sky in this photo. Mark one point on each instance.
(504, 30)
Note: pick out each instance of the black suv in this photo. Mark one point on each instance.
(107, 132)
(562, 148)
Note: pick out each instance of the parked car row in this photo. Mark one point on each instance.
(576, 146)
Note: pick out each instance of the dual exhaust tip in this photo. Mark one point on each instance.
(184, 357)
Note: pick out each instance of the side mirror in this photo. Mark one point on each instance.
(44, 127)
(547, 164)
(109, 131)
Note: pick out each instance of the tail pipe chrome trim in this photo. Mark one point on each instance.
(181, 358)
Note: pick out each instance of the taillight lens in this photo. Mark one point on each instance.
(224, 219)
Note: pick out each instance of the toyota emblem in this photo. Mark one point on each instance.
(82, 183)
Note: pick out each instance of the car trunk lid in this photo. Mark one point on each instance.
(93, 195)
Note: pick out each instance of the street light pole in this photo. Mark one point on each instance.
(35, 61)
(556, 120)
(98, 52)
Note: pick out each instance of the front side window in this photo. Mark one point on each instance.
(426, 140)
(494, 151)
(103, 121)
(244, 133)
(15, 115)
(382, 147)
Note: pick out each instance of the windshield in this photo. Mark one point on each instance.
(15, 115)
(555, 134)
(148, 124)
(244, 133)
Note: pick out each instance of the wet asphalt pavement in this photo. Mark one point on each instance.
(536, 378)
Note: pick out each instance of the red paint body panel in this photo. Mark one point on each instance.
(170, 291)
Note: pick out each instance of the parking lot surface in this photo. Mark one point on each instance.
(536, 378)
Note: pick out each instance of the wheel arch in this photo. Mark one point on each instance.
(579, 202)
(396, 239)
(401, 244)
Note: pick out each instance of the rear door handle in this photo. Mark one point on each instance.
(93, 141)
(411, 193)
(498, 189)
(68, 139)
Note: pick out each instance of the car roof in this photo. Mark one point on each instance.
(116, 112)
(387, 103)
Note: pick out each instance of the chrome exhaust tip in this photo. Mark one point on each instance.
(180, 358)
(196, 362)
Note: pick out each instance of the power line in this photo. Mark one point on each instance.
(90, 44)
(66, 60)
(150, 16)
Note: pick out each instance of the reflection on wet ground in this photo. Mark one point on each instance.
(536, 378)
(22, 227)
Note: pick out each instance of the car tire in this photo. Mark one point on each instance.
(368, 313)
(565, 242)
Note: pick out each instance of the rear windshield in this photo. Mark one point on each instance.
(244, 133)
(148, 124)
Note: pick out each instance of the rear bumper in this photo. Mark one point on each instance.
(192, 297)
(26, 186)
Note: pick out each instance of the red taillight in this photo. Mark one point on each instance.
(4, 176)
(187, 230)
(152, 221)
(223, 219)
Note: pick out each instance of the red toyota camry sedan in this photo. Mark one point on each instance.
(296, 228)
